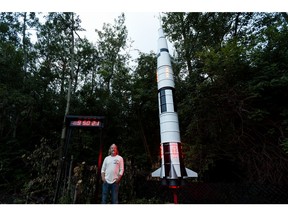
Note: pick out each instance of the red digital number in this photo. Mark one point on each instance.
(86, 123)
(95, 123)
(76, 123)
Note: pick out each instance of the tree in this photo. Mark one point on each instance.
(144, 111)
(17, 103)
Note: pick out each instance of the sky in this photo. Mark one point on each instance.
(141, 16)
(142, 27)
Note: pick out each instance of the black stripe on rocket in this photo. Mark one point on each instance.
(162, 50)
(163, 102)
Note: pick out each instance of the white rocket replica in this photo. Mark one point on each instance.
(172, 170)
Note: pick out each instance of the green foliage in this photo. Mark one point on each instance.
(41, 166)
(232, 98)
(284, 144)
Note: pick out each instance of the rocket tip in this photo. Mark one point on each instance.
(160, 30)
(160, 19)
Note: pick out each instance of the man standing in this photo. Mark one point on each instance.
(111, 173)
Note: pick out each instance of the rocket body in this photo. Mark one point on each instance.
(172, 167)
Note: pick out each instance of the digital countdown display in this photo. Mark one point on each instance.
(85, 121)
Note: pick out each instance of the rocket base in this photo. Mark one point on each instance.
(173, 183)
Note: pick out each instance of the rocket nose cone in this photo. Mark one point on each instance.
(161, 32)
(162, 43)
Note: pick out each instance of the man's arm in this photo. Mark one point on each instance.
(121, 170)
(103, 176)
(103, 169)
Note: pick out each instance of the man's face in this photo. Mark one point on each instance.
(113, 150)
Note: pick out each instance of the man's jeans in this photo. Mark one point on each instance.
(106, 188)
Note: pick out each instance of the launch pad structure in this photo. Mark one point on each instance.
(83, 122)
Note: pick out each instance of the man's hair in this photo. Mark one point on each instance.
(109, 151)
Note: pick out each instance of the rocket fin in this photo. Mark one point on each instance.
(156, 173)
(191, 173)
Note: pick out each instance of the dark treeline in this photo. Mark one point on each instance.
(231, 76)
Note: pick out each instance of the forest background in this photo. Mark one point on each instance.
(231, 78)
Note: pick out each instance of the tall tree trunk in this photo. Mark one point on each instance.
(62, 157)
(69, 87)
(24, 43)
